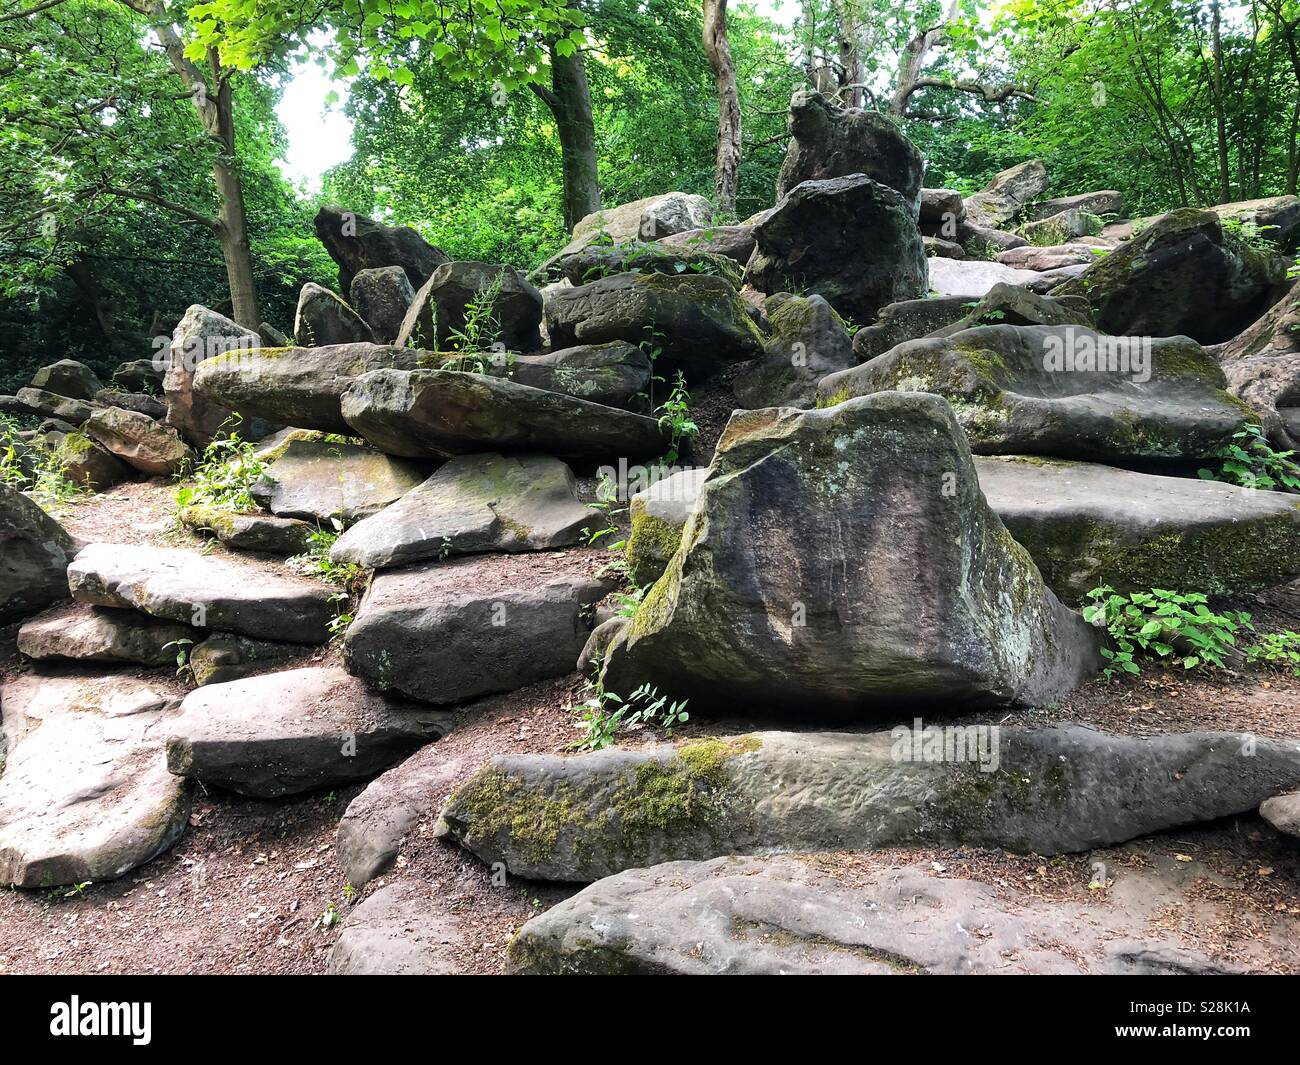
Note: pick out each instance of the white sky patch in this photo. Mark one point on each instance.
(320, 135)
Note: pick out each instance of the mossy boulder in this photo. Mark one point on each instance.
(1007, 194)
(150, 447)
(1065, 391)
(616, 374)
(809, 340)
(1030, 790)
(34, 555)
(324, 318)
(797, 587)
(658, 515)
(250, 532)
(602, 260)
(1087, 525)
(67, 377)
(226, 656)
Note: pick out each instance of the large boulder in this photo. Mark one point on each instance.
(796, 586)
(1087, 525)
(45, 404)
(907, 320)
(473, 504)
(437, 316)
(381, 296)
(973, 278)
(615, 374)
(942, 207)
(197, 590)
(1004, 197)
(70, 378)
(699, 320)
(1011, 305)
(296, 386)
(99, 634)
(323, 319)
(295, 731)
(319, 481)
(851, 240)
(444, 633)
(1183, 275)
(1274, 218)
(85, 794)
(601, 260)
(832, 141)
(441, 413)
(359, 243)
(809, 340)
(1103, 202)
(139, 441)
(1061, 227)
(1044, 791)
(731, 242)
(1053, 257)
(399, 931)
(1283, 812)
(658, 514)
(780, 916)
(141, 403)
(1064, 391)
(201, 334)
(1262, 365)
(34, 555)
(83, 461)
(138, 375)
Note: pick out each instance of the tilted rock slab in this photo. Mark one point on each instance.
(1014, 391)
(295, 731)
(101, 634)
(381, 296)
(296, 386)
(139, 441)
(1087, 525)
(437, 315)
(1006, 195)
(196, 590)
(318, 481)
(1029, 790)
(808, 342)
(843, 561)
(34, 555)
(472, 504)
(201, 334)
(614, 374)
(1262, 365)
(359, 243)
(447, 632)
(734, 916)
(85, 793)
(324, 319)
(442, 413)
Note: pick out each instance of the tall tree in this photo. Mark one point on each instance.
(718, 48)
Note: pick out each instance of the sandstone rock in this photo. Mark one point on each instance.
(99, 634)
(733, 242)
(1048, 258)
(44, 404)
(320, 481)
(1010, 305)
(323, 319)
(250, 532)
(85, 793)
(603, 260)
(441, 413)
(138, 375)
(638, 220)
(1003, 198)
(444, 633)
(940, 206)
(614, 374)
(1087, 525)
(472, 504)
(658, 515)
(1044, 791)
(1183, 275)
(194, 589)
(809, 340)
(134, 401)
(397, 931)
(1262, 366)
(831, 141)
(359, 243)
(675, 213)
(796, 585)
(850, 240)
(1064, 391)
(1283, 812)
(907, 320)
(698, 319)
(973, 278)
(200, 335)
(83, 461)
(733, 916)
(1106, 201)
(438, 312)
(938, 248)
(68, 377)
(224, 657)
(381, 296)
(297, 386)
(34, 556)
(1061, 227)
(139, 441)
(300, 730)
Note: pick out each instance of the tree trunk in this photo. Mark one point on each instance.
(569, 100)
(850, 41)
(1220, 118)
(233, 230)
(724, 73)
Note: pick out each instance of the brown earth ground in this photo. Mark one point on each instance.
(253, 886)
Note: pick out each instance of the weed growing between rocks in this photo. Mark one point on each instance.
(1250, 462)
(38, 472)
(605, 714)
(223, 476)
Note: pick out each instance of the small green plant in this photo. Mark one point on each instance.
(40, 472)
(482, 327)
(674, 415)
(349, 892)
(1178, 626)
(184, 668)
(1249, 461)
(1250, 233)
(223, 476)
(605, 714)
(607, 507)
(343, 617)
(330, 917)
(316, 561)
(1276, 650)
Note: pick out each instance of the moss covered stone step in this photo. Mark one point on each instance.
(1087, 525)
(1030, 790)
(102, 634)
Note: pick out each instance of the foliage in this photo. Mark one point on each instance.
(316, 561)
(1278, 650)
(36, 471)
(223, 476)
(1178, 626)
(674, 415)
(1251, 463)
(605, 714)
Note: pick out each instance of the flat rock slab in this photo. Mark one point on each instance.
(224, 656)
(772, 916)
(447, 632)
(799, 586)
(139, 441)
(1064, 391)
(101, 634)
(300, 730)
(85, 793)
(1028, 790)
(442, 413)
(399, 931)
(319, 481)
(1087, 525)
(295, 386)
(193, 589)
(473, 504)
(251, 532)
(34, 554)
(973, 278)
